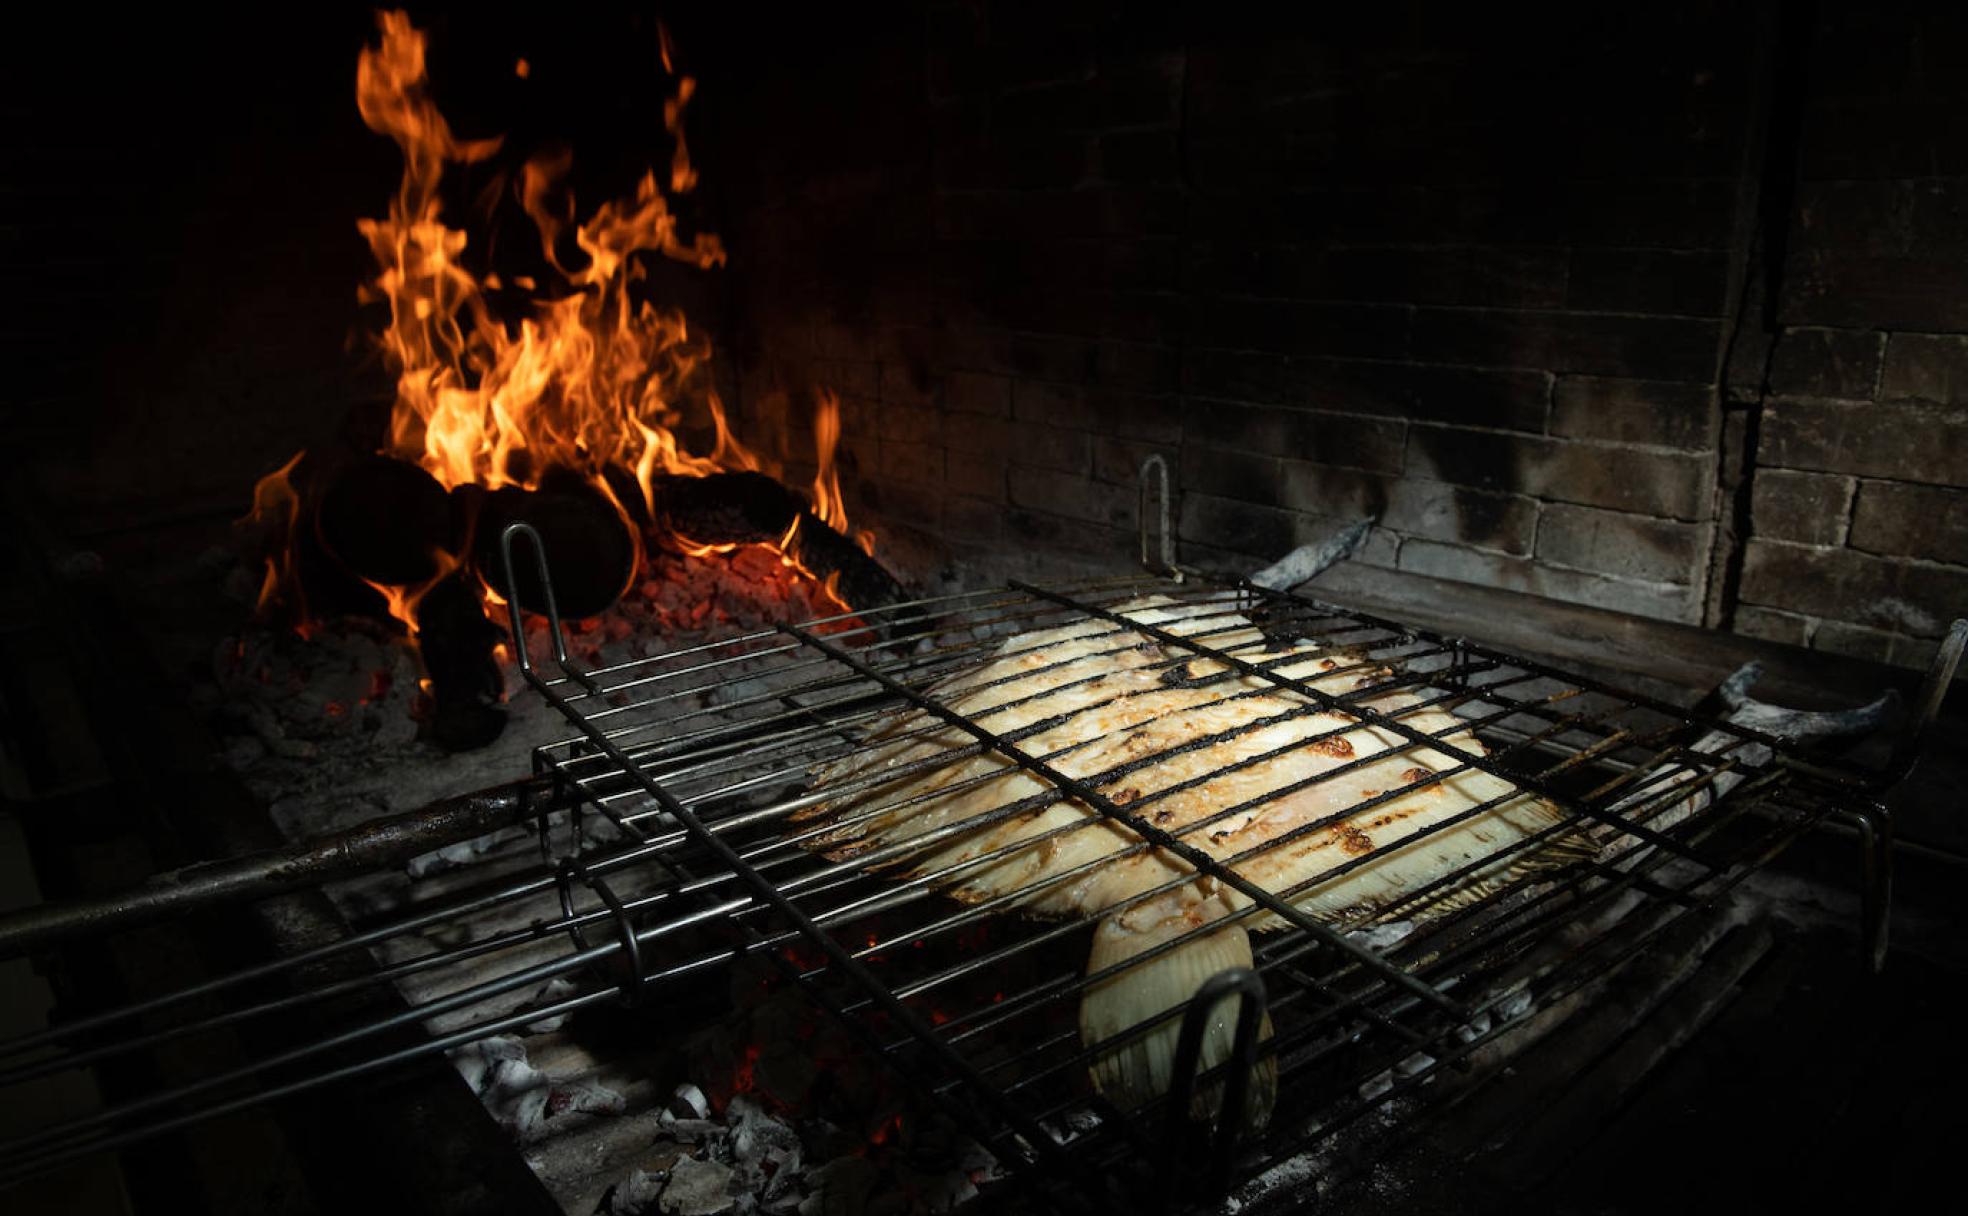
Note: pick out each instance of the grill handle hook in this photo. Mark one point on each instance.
(512, 532)
(1248, 987)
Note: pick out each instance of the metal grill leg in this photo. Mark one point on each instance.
(1875, 826)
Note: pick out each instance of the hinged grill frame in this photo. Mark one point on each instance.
(610, 919)
(1816, 791)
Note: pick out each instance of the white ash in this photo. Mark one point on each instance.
(1313, 1172)
(1475, 1028)
(689, 1102)
(697, 1188)
(749, 1159)
(521, 1097)
(635, 1194)
(1514, 1006)
(1297, 1173)
(557, 988)
(1073, 1124)
(1382, 937)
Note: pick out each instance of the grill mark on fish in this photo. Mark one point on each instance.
(1042, 801)
(1335, 746)
(1352, 841)
(1051, 797)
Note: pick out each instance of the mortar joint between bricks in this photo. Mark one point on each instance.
(1851, 511)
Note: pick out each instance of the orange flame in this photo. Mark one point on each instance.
(827, 503)
(590, 378)
(277, 507)
(593, 377)
(402, 601)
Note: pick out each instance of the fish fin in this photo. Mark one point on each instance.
(1136, 1072)
(1569, 850)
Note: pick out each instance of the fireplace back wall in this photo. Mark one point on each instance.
(1659, 311)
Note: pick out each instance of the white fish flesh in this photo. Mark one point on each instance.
(1228, 762)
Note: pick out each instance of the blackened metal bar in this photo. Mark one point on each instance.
(376, 843)
(852, 967)
(14, 1170)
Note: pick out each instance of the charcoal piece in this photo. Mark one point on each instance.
(381, 518)
(591, 551)
(456, 642)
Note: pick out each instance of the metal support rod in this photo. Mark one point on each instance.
(379, 843)
(1875, 827)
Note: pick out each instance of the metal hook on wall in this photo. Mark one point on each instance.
(1155, 480)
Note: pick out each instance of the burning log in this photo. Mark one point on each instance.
(381, 518)
(593, 549)
(457, 642)
(751, 508)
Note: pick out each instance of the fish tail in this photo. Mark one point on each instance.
(1132, 1073)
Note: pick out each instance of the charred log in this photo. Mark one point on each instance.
(592, 549)
(725, 508)
(456, 642)
(864, 583)
(382, 518)
(751, 508)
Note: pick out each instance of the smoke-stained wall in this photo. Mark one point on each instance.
(1475, 275)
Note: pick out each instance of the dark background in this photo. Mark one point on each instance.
(1659, 310)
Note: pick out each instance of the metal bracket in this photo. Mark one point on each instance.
(1155, 479)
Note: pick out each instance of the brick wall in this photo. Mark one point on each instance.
(1859, 541)
(1477, 280)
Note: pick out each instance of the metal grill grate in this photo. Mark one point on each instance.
(700, 759)
(704, 754)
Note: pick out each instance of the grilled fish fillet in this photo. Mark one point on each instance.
(1230, 763)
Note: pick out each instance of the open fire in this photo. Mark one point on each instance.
(558, 400)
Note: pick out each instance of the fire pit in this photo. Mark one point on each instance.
(820, 1031)
(558, 399)
(570, 687)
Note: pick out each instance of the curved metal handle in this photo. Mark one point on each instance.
(506, 538)
(1248, 986)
